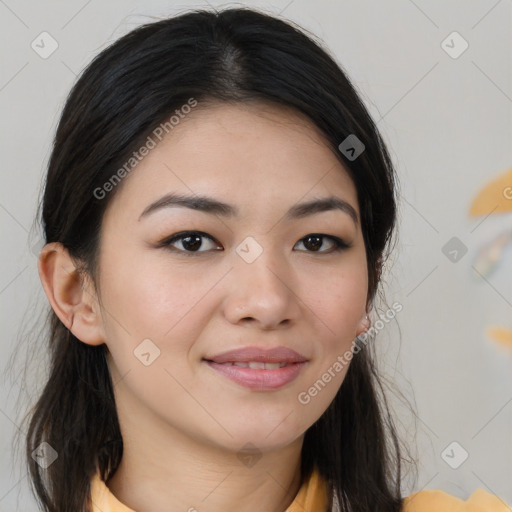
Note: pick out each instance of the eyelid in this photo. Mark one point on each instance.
(183, 234)
(340, 244)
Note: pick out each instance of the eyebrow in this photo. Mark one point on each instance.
(215, 207)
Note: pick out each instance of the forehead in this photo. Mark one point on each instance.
(258, 156)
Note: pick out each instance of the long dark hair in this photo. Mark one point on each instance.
(131, 87)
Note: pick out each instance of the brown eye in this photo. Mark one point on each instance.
(314, 241)
(191, 241)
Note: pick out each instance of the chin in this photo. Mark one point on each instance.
(266, 435)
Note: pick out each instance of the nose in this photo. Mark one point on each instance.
(263, 292)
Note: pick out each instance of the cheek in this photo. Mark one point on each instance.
(338, 298)
(339, 305)
(155, 299)
(150, 299)
(147, 294)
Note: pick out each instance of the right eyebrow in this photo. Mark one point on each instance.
(215, 207)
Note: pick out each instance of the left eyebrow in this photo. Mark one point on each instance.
(215, 207)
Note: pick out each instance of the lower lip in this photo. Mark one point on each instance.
(259, 379)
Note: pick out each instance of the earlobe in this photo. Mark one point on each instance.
(73, 300)
(363, 326)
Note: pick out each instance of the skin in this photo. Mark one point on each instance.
(183, 423)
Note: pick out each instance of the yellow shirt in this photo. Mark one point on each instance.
(312, 497)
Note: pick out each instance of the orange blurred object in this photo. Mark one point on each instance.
(501, 334)
(495, 197)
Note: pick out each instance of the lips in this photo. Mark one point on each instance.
(259, 369)
(257, 365)
(248, 355)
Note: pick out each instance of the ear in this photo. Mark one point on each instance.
(71, 294)
(363, 326)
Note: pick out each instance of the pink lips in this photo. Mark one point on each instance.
(259, 379)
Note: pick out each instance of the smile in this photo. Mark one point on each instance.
(257, 375)
(256, 365)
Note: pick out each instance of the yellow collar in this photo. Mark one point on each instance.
(312, 496)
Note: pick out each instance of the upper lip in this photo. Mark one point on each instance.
(257, 354)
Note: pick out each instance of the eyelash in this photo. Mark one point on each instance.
(339, 244)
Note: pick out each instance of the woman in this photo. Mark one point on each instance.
(217, 211)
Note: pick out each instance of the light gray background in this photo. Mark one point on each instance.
(448, 125)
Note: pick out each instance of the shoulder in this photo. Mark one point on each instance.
(102, 500)
(440, 501)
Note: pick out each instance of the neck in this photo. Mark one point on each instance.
(167, 471)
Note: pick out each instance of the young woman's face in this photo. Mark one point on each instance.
(257, 278)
